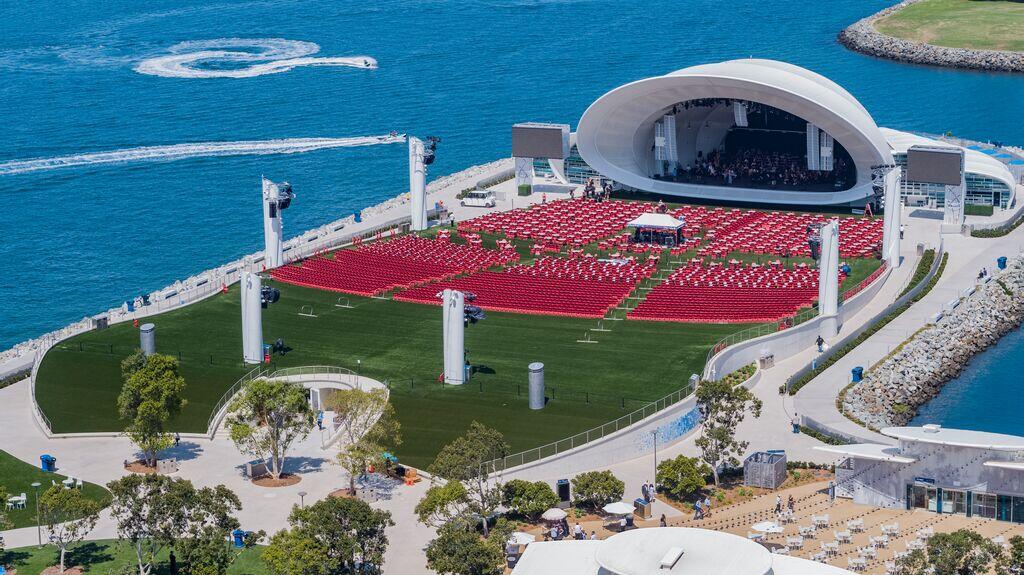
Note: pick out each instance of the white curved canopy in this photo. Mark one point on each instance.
(612, 136)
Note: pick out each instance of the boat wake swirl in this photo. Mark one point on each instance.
(207, 58)
(194, 150)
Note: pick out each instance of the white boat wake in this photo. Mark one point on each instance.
(192, 59)
(194, 150)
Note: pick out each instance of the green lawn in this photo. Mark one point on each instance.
(106, 556)
(17, 477)
(979, 24)
(589, 384)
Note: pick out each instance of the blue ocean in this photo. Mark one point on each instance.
(102, 202)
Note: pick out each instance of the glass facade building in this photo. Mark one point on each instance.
(981, 190)
(576, 170)
(965, 502)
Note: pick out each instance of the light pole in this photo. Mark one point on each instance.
(302, 499)
(654, 434)
(359, 367)
(39, 528)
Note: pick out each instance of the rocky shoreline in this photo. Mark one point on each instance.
(893, 390)
(863, 37)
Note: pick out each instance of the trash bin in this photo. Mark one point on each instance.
(562, 487)
(48, 463)
(857, 373)
(1001, 262)
(239, 538)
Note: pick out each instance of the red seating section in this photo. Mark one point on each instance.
(563, 222)
(730, 294)
(733, 230)
(385, 265)
(583, 287)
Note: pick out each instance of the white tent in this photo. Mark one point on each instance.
(554, 514)
(521, 538)
(618, 508)
(653, 220)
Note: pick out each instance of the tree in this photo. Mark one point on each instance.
(368, 428)
(681, 476)
(444, 504)
(597, 488)
(459, 551)
(149, 399)
(331, 537)
(962, 552)
(5, 523)
(1012, 562)
(154, 512)
(68, 516)
(467, 460)
(722, 408)
(529, 499)
(266, 417)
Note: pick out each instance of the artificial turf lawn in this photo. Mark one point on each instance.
(106, 556)
(589, 384)
(17, 477)
(983, 25)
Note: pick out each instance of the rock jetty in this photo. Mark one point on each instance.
(862, 36)
(893, 389)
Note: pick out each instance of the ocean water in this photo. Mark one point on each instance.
(987, 394)
(83, 232)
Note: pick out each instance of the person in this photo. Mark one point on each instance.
(791, 504)
(622, 523)
(663, 522)
(831, 492)
(795, 422)
(544, 198)
(698, 510)
(554, 533)
(174, 563)
(778, 504)
(707, 506)
(593, 535)
(572, 193)
(320, 420)
(177, 438)
(644, 492)
(902, 229)
(821, 343)
(578, 532)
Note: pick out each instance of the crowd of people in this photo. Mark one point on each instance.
(759, 168)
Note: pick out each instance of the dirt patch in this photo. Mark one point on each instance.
(343, 493)
(55, 570)
(285, 480)
(139, 467)
(733, 491)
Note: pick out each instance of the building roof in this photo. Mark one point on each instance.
(1011, 465)
(559, 558)
(957, 437)
(975, 162)
(641, 551)
(705, 552)
(611, 133)
(653, 220)
(872, 451)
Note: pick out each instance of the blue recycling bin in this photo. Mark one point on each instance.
(131, 305)
(857, 373)
(48, 463)
(1001, 262)
(239, 538)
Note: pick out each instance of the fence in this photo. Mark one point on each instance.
(593, 434)
(222, 404)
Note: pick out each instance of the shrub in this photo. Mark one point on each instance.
(682, 476)
(595, 489)
(529, 499)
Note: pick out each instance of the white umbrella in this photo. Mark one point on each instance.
(618, 508)
(521, 538)
(554, 514)
(767, 527)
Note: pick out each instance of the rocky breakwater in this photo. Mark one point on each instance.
(915, 372)
(862, 36)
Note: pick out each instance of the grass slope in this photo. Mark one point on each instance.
(106, 556)
(978, 24)
(588, 384)
(17, 477)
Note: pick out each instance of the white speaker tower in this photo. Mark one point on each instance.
(417, 184)
(454, 332)
(276, 198)
(252, 318)
(828, 279)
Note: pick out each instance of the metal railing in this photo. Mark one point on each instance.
(216, 415)
(590, 435)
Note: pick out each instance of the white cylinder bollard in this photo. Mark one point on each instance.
(252, 318)
(147, 338)
(536, 385)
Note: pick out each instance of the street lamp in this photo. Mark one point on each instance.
(39, 528)
(302, 499)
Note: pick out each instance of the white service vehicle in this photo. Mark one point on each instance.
(479, 199)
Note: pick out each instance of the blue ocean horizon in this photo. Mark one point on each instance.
(81, 239)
